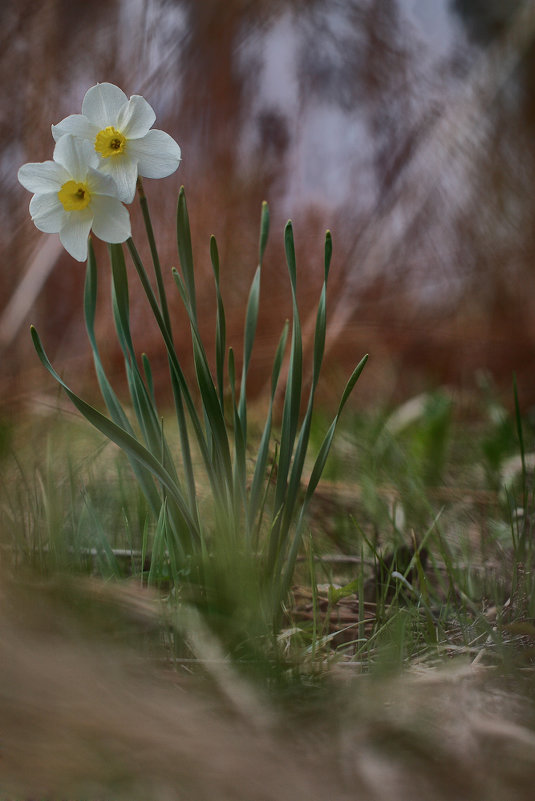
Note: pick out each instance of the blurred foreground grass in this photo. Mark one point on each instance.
(403, 665)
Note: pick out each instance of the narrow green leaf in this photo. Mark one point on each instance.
(148, 375)
(319, 464)
(113, 405)
(319, 337)
(211, 404)
(279, 355)
(180, 387)
(185, 250)
(239, 477)
(259, 476)
(214, 257)
(355, 375)
(328, 253)
(220, 335)
(210, 398)
(313, 482)
(289, 248)
(232, 373)
(122, 438)
(292, 493)
(251, 319)
(264, 231)
(142, 399)
(290, 411)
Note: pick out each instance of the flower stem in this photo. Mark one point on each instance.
(155, 257)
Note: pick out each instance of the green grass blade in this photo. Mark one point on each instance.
(106, 559)
(158, 557)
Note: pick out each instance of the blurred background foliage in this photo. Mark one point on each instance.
(405, 126)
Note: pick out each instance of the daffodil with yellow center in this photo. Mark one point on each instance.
(72, 197)
(120, 132)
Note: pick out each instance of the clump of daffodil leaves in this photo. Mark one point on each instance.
(243, 546)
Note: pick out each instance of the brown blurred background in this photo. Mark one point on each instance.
(407, 127)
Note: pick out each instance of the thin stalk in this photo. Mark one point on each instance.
(154, 254)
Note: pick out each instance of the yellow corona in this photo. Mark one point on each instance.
(110, 142)
(74, 196)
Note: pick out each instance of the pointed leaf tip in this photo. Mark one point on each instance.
(264, 231)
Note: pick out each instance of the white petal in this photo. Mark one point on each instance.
(123, 170)
(102, 104)
(44, 177)
(76, 155)
(111, 221)
(75, 231)
(100, 184)
(157, 153)
(77, 125)
(47, 213)
(135, 118)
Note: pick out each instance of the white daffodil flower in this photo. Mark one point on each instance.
(120, 132)
(72, 197)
